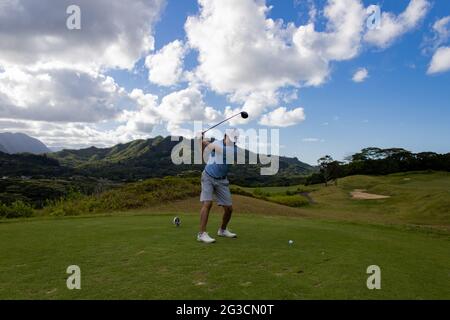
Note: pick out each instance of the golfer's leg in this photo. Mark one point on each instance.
(204, 214)
(227, 211)
(224, 199)
(206, 197)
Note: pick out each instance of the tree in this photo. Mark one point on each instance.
(329, 169)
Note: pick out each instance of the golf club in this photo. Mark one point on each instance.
(243, 114)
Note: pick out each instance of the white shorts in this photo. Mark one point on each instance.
(215, 189)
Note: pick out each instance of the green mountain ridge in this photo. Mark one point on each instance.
(139, 159)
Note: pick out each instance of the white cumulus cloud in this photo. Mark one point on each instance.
(53, 81)
(442, 29)
(392, 27)
(175, 109)
(59, 95)
(436, 45)
(360, 75)
(440, 61)
(186, 105)
(246, 55)
(281, 117)
(113, 33)
(166, 66)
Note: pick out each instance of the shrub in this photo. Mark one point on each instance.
(260, 194)
(130, 196)
(291, 201)
(242, 192)
(4, 210)
(17, 209)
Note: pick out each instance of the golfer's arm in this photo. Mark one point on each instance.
(206, 144)
(211, 146)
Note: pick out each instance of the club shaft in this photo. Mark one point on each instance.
(218, 124)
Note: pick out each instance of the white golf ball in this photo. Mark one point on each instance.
(291, 242)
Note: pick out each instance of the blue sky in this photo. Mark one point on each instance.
(105, 83)
(399, 105)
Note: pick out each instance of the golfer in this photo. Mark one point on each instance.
(215, 184)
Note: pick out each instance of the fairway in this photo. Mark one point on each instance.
(140, 256)
(414, 198)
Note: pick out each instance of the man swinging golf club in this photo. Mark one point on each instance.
(215, 184)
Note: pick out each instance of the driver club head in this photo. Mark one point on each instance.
(244, 115)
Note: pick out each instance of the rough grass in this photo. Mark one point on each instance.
(129, 196)
(288, 196)
(289, 200)
(280, 190)
(421, 198)
(17, 209)
(243, 206)
(415, 198)
(146, 257)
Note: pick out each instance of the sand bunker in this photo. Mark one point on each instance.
(362, 195)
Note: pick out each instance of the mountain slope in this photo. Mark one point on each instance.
(31, 165)
(21, 143)
(142, 159)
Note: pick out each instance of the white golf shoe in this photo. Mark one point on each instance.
(226, 233)
(204, 237)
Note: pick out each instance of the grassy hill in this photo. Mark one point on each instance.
(421, 198)
(104, 156)
(416, 198)
(38, 192)
(26, 164)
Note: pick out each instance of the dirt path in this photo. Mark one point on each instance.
(362, 195)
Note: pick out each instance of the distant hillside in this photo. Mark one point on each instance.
(20, 143)
(26, 164)
(141, 159)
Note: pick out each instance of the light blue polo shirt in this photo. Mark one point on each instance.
(217, 166)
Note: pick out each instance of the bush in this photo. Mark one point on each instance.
(291, 201)
(260, 194)
(130, 196)
(17, 209)
(242, 192)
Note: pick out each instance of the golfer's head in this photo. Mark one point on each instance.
(232, 135)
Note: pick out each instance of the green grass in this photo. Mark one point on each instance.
(415, 198)
(420, 198)
(280, 190)
(289, 196)
(291, 201)
(146, 257)
(139, 254)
